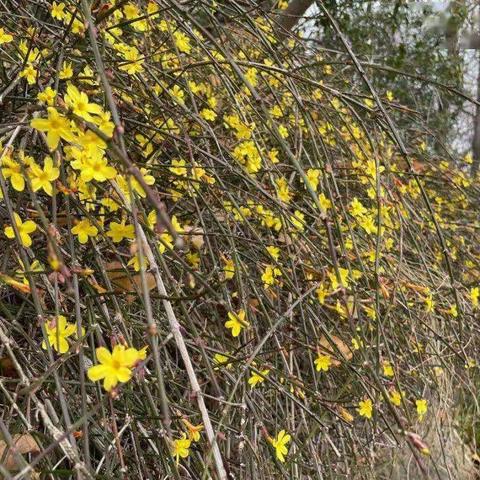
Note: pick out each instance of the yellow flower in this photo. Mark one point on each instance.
(104, 123)
(178, 94)
(119, 231)
(147, 178)
(365, 408)
(236, 321)
(356, 208)
(58, 331)
(298, 220)
(78, 102)
(57, 10)
(180, 447)
(256, 378)
(57, 126)
(280, 444)
(429, 303)
(136, 264)
(208, 114)
(474, 296)
(24, 230)
(13, 171)
(251, 76)
(283, 131)
(369, 102)
(95, 167)
(269, 276)
(134, 60)
(322, 362)
(396, 397)
(43, 178)
(131, 11)
(47, 96)
(368, 224)
(178, 168)
(422, 407)
(388, 369)
(193, 259)
(221, 361)
(229, 269)
(30, 73)
(114, 367)
(66, 72)
(92, 144)
(470, 363)
(112, 204)
(142, 353)
(166, 241)
(313, 177)
(453, 311)
(193, 430)
(5, 37)
(344, 273)
(84, 229)
(273, 155)
(283, 190)
(247, 154)
(324, 202)
(182, 42)
(322, 293)
(274, 252)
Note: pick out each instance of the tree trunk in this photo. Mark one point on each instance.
(476, 135)
(289, 17)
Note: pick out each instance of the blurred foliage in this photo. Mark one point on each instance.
(410, 38)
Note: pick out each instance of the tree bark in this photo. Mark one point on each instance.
(476, 135)
(470, 41)
(289, 17)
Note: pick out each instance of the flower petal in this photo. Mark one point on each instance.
(103, 355)
(124, 374)
(110, 382)
(41, 124)
(97, 372)
(62, 345)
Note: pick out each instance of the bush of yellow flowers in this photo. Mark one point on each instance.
(220, 256)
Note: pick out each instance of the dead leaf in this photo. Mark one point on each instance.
(327, 347)
(195, 236)
(253, 303)
(416, 288)
(345, 414)
(20, 286)
(7, 368)
(124, 282)
(23, 444)
(418, 442)
(418, 166)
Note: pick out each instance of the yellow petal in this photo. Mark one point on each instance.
(110, 382)
(97, 372)
(9, 232)
(103, 355)
(41, 124)
(124, 374)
